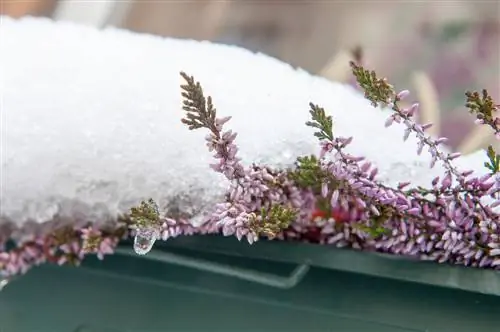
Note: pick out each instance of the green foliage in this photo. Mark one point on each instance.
(200, 112)
(272, 221)
(377, 90)
(145, 215)
(373, 231)
(92, 242)
(375, 228)
(322, 122)
(481, 105)
(308, 173)
(493, 163)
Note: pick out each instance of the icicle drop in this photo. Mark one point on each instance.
(3, 283)
(144, 240)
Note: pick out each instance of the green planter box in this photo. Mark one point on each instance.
(219, 284)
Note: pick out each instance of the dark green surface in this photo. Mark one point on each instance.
(373, 264)
(135, 294)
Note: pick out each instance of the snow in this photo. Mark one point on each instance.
(91, 120)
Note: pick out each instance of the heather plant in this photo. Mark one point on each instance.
(338, 199)
(333, 198)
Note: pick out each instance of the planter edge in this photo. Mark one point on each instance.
(373, 264)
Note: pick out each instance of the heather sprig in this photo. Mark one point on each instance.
(377, 90)
(464, 205)
(334, 182)
(484, 108)
(63, 245)
(308, 173)
(260, 201)
(272, 221)
(322, 122)
(200, 112)
(493, 163)
(440, 223)
(397, 220)
(146, 215)
(372, 86)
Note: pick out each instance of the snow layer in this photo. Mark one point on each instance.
(91, 119)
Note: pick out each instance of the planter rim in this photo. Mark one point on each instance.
(349, 260)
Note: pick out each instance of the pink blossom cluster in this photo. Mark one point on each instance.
(455, 226)
(36, 248)
(249, 189)
(449, 222)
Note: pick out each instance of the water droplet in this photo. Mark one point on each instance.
(144, 240)
(3, 283)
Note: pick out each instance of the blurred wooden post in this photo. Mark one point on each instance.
(337, 69)
(429, 102)
(198, 19)
(21, 8)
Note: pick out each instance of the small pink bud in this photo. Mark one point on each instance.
(446, 183)
(389, 121)
(487, 186)
(324, 190)
(360, 203)
(403, 94)
(365, 167)
(222, 121)
(418, 128)
(413, 109)
(401, 185)
(374, 210)
(454, 155)
(467, 173)
(414, 211)
(485, 177)
(326, 146)
(427, 126)
(353, 158)
(406, 134)
(435, 181)
(335, 198)
(433, 162)
(420, 147)
(495, 204)
(441, 140)
(495, 252)
(345, 141)
(227, 135)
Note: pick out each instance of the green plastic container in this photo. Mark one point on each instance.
(218, 284)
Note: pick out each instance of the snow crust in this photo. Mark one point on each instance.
(91, 120)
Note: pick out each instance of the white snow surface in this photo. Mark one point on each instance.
(91, 120)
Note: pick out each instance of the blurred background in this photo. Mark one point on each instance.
(437, 49)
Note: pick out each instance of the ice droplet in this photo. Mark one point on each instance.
(144, 240)
(3, 283)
